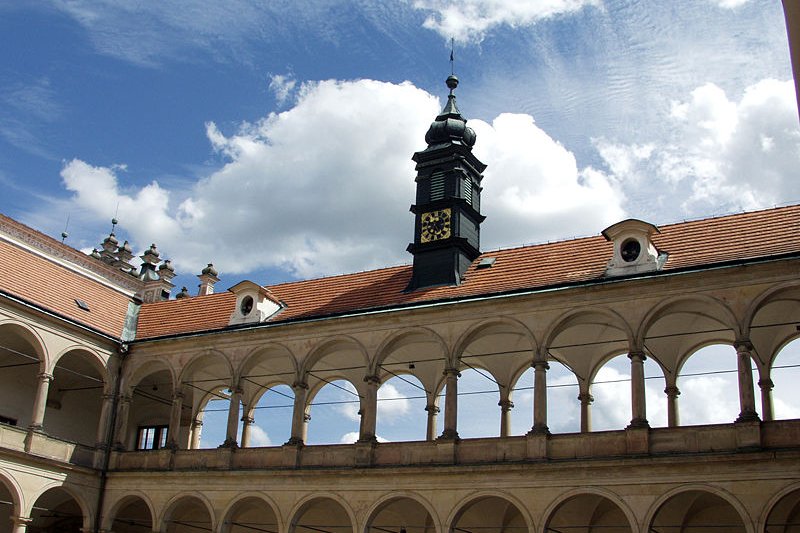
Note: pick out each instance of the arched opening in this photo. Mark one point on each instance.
(697, 511)
(21, 364)
(211, 420)
(563, 409)
(250, 515)
(401, 515)
(522, 398)
(784, 517)
(333, 414)
(187, 515)
(611, 390)
(401, 409)
(321, 514)
(708, 382)
(271, 417)
(75, 399)
(132, 516)
(478, 410)
(150, 407)
(7, 507)
(587, 513)
(56, 511)
(490, 514)
(785, 375)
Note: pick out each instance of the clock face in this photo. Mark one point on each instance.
(435, 225)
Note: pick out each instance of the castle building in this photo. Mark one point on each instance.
(107, 380)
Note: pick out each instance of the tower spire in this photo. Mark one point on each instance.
(447, 210)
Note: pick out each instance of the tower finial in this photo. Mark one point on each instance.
(452, 56)
(64, 233)
(114, 220)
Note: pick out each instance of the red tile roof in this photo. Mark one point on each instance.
(691, 244)
(52, 287)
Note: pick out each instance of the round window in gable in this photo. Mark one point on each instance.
(630, 250)
(246, 306)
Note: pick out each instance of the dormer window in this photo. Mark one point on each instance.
(634, 251)
(254, 303)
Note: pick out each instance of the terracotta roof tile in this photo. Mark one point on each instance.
(52, 287)
(689, 244)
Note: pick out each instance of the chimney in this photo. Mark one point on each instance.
(208, 277)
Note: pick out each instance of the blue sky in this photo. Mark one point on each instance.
(274, 138)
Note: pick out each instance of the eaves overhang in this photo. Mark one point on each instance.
(442, 302)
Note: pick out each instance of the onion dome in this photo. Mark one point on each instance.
(167, 265)
(450, 126)
(183, 294)
(95, 253)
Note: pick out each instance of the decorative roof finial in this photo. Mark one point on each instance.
(64, 233)
(452, 56)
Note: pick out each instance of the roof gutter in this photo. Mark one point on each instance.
(478, 298)
(53, 314)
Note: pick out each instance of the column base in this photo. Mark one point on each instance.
(229, 443)
(748, 416)
(448, 434)
(540, 429)
(638, 423)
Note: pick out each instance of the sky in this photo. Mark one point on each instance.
(274, 138)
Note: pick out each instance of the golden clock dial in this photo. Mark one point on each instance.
(435, 225)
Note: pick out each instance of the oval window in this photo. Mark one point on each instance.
(246, 305)
(630, 250)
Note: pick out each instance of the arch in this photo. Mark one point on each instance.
(59, 504)
(215, 357)
(605, 506)
(172, 518)
(485, 327)
(126, 514)
(408, 504)
(251, 506)
(15, 495)
(582, 316)
(403, 337)
(401, 414)
(277, 364)
(23, 358)
(762, 300)
(782, 511)
(328, 346)
(686, 502)
(672, 305)
(95, 359)
(341, 397)
(335, 509)
(32, 337)
(138, 371)
(780, 399)
(479, 501)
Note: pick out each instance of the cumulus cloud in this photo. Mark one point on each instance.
(722, 153)
(392, 404)
(468, 20)
(324, 187)
(259, 437)
(282, 86)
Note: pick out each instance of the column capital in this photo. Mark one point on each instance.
(766, 384)
(306, 417)
(248, 420)
(197, 423)
(21, 520)
(672, 391)
(372, 379)
(585, 398)
(300, 385)
(637, 354)
(178, 395)
(743, 345)
(45, 376)
(544, 365)
(107, 396)
(235, 390)
(432, 409)
(450, 371)
(506, 405)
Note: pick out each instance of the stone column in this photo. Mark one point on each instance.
(747, 400)
(638, 402)
(123, 413)
(174, 430)
(40, 401)
(540, 369)
(20, 523)
(506, 406)
(105, 420)
(233, 418)
(766, 386)
(197, 430)
(369, 410)
(451, 404)
(586, 400)
(306, 420)
(432, 411)
(247, 421)
(300, 389)
(673, 415)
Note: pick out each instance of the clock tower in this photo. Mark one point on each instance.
(447, 214)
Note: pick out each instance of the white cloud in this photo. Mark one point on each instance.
(723, 154)
(730, 4)
(352, 437)
(282, 86)
(468, 20)
(324, 187)
(392, 404)
(259, 437)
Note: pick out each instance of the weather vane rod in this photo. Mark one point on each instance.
(452, 56)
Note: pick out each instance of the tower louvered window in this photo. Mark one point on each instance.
(437, 186)
(467, 190)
